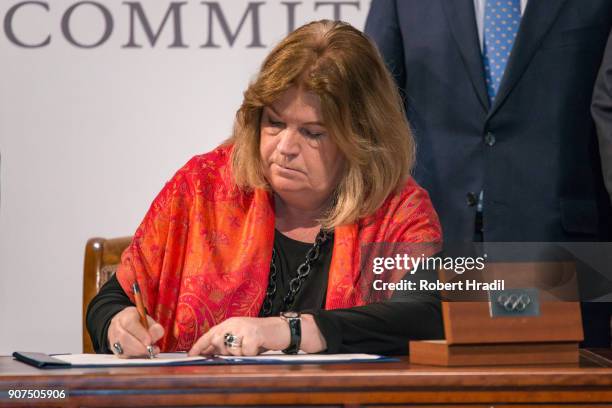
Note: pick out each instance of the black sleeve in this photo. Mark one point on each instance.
(381, 328)
(107, 303)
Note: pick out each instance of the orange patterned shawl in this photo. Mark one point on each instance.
(202, 253)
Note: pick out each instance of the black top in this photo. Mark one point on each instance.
(381, 328)
(290, 254)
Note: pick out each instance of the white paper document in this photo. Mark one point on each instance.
(84, 360)
(111, 360)
(302, 357)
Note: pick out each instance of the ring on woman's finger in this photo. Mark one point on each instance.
(117, 349)
(232, 341)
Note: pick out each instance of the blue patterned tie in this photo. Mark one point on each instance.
(501, 23)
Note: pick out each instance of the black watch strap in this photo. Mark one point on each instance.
(295, 330)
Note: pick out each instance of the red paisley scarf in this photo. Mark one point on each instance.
(202, 253)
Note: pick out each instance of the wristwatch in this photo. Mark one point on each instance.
(295, 328)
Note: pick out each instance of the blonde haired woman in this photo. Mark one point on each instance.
(256, 245)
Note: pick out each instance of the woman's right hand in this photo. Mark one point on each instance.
(125, 329)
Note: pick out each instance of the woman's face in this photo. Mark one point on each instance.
(301, 162)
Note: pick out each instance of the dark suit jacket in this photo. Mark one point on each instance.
(602, 113)
(539, 165)
(535, 151)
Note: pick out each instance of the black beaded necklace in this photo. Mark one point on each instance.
(303, 271)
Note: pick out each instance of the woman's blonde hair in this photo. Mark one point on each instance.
(361, 109)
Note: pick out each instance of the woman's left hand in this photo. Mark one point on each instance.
(257, 333)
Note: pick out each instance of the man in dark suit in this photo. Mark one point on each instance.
(602, 113)
(531, 149)
(498, 93)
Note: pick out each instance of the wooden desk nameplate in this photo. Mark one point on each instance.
(520, 325)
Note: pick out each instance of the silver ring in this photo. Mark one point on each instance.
(117, 348)
(232, 341)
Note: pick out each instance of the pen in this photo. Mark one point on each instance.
(142, 312)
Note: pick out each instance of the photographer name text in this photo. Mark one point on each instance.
(426, 285)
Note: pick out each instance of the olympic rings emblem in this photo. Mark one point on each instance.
(514, 303)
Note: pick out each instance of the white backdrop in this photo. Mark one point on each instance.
(88, 136)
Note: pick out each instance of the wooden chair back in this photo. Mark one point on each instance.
(102, 257)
